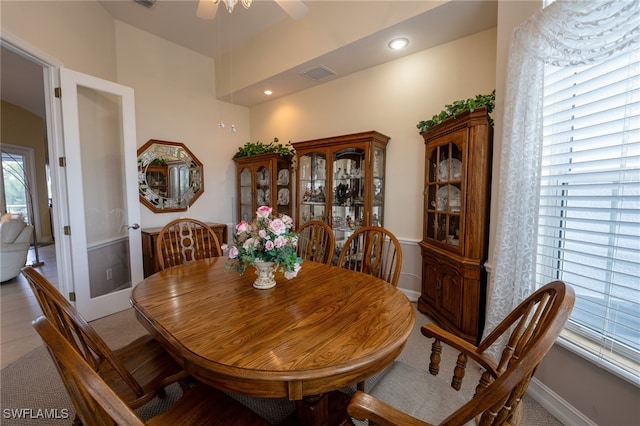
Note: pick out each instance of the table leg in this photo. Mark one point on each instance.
(313, 410)
(328, 409)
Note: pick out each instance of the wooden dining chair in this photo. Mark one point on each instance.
(375, 251)
(409, 396)
(184, 240)
(137, 372)
(316, 242)
(97, 404)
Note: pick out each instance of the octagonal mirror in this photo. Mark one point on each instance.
(169, 176)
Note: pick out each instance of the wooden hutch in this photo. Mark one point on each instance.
(456, 222)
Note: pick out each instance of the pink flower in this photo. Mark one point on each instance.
(242, 227)
(280, 241)
(247, 244)
(264, 212)
(292, 274)
(269, 245)
(262, 233)
(287, 220)
(233, 252)
(277, 226)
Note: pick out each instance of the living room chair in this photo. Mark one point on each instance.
(185, 240)
(97, 404)
(137, 372)
(409, 396)
(316, 242)
(15, 239)
(375, 251)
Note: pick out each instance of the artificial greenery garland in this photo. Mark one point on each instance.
(255, 148)
(487, 101)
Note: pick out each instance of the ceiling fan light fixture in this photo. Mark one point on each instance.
(230, 4)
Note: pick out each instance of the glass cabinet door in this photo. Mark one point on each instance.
(377, 209)
(348, 207)
(444, 181)
(246, 206)
(312, 187)
(283, 195)
(263, 187)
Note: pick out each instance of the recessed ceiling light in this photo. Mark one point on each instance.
(268, 92)
(398, 43)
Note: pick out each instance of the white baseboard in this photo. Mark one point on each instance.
(558, 407)
(412, 295)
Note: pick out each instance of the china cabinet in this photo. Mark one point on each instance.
(456, 201)
(340, 181)
(157, 179)
(263, 180)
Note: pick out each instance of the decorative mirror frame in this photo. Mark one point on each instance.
(164, 155)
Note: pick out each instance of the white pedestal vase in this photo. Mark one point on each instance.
(264, 271)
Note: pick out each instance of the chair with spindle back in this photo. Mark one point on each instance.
(316, 242)
(184, 240)
(373, 250)
(525, 335)
(137, 372)
(97, 404)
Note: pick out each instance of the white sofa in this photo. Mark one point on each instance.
(15, 238)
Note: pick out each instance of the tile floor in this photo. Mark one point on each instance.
(18, 307)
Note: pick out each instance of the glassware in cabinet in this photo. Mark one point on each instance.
(443, 194)
(263, 180)
(340, 180)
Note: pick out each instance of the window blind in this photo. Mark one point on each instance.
(589, 214)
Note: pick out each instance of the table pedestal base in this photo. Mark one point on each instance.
(321, 410)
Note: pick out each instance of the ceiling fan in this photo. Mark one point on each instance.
(207, 9)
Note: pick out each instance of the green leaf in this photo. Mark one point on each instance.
(455, 108)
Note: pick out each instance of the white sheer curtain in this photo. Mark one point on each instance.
(566, 33)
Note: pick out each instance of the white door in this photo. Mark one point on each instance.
(101, 166)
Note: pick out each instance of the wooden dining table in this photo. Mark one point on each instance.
(304, 339)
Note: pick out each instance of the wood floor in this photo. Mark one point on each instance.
(18, 307)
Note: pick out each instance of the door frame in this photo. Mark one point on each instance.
(55, 143)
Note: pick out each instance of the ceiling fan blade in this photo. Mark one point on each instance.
(295, 8)
(207, 9)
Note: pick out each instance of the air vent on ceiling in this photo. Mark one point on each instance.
(147, 3)
(319, 72)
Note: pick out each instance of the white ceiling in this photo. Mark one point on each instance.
(176, 21)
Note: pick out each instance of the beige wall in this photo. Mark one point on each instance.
(175, 101)
(78, 33)
(22, 128)
(390, 98)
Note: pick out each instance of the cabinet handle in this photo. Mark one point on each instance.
(438, 284)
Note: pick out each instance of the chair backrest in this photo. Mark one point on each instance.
(80, 335)
(527, 334)
(184, 240)
(316, 242)
(375, 251)
(95, 402)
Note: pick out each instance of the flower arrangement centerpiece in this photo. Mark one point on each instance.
(267, 239)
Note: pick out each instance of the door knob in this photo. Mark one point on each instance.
(134, 226)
